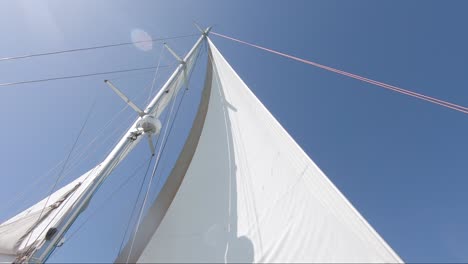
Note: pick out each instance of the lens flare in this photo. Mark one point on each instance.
(141, 39)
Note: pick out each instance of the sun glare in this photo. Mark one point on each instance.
(141, 39)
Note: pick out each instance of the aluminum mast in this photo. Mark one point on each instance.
(120, 151)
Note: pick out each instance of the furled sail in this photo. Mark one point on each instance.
(28, 229)
(244, 191)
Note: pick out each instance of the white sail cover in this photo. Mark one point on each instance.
(246, 192)
(29, 228)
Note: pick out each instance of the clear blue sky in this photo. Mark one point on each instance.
(402, 162)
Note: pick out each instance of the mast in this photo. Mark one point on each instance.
(119, 153)
(243, 191)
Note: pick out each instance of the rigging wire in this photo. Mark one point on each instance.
(86, 153)
(140, 213)
(76, 158)
(168, 120)
(135, 203)
(123, 184)
(161, 149)
(142, 92)
(60, 175)
(82, 75)
(68, 157)
(161, 53)
(67, 200)
(138, 196)
(139, 192)
(180, 102)
(137, 199)
(170, 129)
(354, 76)
(93, 47)
(154, 170)
(104, 202)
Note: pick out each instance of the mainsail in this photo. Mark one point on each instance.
(244, 191)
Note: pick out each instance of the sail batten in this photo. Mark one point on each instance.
(251, 194)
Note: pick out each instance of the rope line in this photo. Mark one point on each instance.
(180, 103)
(161, 149)
(92, 48)
(77, 158)
(83, 75)
(60, 175)
(68, 199)
(140, 214)
(354, 76)
(141, 186)
(161, 53)
(136, 201)
(104, 202)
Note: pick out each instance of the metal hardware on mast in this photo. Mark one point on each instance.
(147, 124)
(125, 98)
(181, 61)
(120, 151)
(152, 107)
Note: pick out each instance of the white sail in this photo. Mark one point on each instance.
(244, 191)
(28, 229)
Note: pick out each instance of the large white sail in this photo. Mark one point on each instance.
(244, 191)
(28, 229)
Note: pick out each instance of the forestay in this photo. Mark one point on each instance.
(244, 191)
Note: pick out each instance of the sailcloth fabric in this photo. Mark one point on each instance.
(244, 191)
(29, 228)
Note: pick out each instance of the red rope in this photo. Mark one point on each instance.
(357, 77)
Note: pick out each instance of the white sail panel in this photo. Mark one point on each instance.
(251, 194)
(29, 227)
